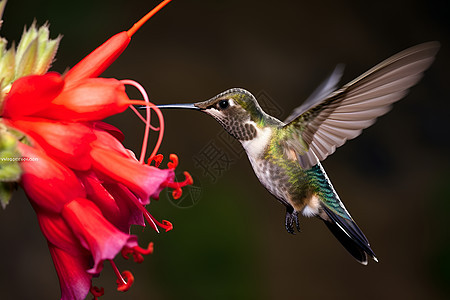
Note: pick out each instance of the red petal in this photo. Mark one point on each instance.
(126, 201)
(98, 60)
(95, 233)
(143, 180)
(48, 184)
(108, 142)
(31, 94)
(91, 100)
(112, 207)
(67, 142)
(75, 282)
(58, 233)
(112, 130)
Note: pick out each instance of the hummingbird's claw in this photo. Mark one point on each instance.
(291, 218)
(289, 227)
(297, 223)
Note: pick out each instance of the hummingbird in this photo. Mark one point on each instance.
(286, 155)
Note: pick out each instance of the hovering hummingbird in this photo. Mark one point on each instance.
(286, 156)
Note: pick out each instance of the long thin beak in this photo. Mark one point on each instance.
(175, 106)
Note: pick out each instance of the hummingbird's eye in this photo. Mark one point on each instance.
(223, 104)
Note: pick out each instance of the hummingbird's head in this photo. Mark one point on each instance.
(236, 110)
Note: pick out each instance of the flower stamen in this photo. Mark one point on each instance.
(124, 280)
(174, 161)
(177, 192)
(166, 225)
(150, 219)
(97, 292)
(148, 126)
(150, 105)
(142, 118)
(137, 252)
(158, 158)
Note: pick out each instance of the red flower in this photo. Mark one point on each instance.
(96, 234)
(71, 260)
(71, 270)
(85, 186)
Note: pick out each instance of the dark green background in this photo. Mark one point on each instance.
(394, 179)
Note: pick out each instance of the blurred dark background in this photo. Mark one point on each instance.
(229, 241)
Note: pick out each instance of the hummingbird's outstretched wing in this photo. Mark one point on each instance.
(317, 132)
(328, 86)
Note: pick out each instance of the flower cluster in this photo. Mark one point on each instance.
(87, 189)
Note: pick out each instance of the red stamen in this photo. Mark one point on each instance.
(174, 163)
(147, 120)
(177, 192)
(125, 251)
(165, 225)
(189, 180)
(123, 284)
(97, 292)
(143, 251)
(158, 158)
(142, 21)
(150, 219)
(129, 279)
(137, 252)
(142, 118)
(160, 119)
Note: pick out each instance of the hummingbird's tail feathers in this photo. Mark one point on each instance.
(347, 242)
(350, 236)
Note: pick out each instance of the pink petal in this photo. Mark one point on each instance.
(74, 281)
(95, 233)
(108, 205)
(143, 180)
(127, 203)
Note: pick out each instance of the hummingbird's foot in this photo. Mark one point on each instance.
(291, 218)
